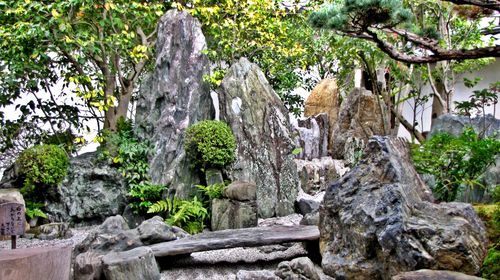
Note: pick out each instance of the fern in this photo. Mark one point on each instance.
(213, 191)
(189, 215)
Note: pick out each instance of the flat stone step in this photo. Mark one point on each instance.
(232, 238)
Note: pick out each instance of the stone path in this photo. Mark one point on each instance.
(247, 237)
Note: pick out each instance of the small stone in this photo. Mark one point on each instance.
(299, 268)
(54, 231)
(241, 191)
(257, 274)
(155, 230)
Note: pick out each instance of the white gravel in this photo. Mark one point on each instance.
(78, 235)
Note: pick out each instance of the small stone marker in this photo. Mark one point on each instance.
(12, 220)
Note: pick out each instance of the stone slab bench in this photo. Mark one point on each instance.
(232, 238)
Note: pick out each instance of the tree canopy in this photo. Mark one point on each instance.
(412, 31)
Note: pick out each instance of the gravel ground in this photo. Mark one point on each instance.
(78, 235)
(210, 265)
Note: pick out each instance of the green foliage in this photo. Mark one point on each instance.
(189, 215)
(96, 49)
(124, 150)
(213, 191)
(42, 167)
(357, 15)
(490, 214)
(210, 144)
(491, 264)
(496, 194)
(456, 162)
(34, 209)
(144, 195)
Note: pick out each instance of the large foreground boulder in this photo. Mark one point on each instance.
(173, 98)
(379, 220)
(90, 192)
(261, 125)
(361, 116)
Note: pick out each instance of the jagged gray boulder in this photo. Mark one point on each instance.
(379, 220)
(174, 97)
(90, 192)
(361, 116)
(261, 125)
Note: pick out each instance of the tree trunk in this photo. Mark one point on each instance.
(115, 113)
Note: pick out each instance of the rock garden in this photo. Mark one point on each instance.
(217, 180)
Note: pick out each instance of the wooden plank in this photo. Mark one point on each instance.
(44, 263)
(11, 218)
(232, 238)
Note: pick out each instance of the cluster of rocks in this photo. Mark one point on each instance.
(114, 251)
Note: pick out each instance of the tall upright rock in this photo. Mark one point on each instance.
(261, 126)
(361, 116)
(379, 220)
(174, 97)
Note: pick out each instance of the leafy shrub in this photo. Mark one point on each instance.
(212, 191)
(42, 167)
(144, 195)
(496, 194)
(34, 209)
(491, 264)
(189, 215)
(130, 155)
(490, 214)
(210, 144)
(455, 162)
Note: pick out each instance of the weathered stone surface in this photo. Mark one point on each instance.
(324, 99)
(306, 206)
(10, 178)
(261, 125)
(114, 235)
(426, 274)
(379, 220)
(213, 176)
(315, 175)
(256, 274)
(230, 214)
(90, 192)
(485, 126)
(11, 195)
(173, 98)
(360, 117)
(297, 269)
(454, 125)
(155, 230)
(138, 263)
(88, 266)
(312, 137)
(241, 191)
(310, 219)
(231, 238)
(54, 230)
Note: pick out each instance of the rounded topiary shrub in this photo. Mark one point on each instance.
(42, 166)
(210, 144)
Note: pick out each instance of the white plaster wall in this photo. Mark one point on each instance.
(489, 74)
